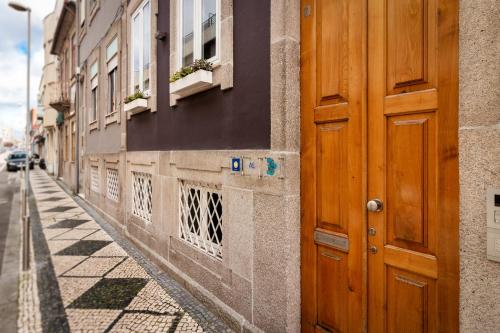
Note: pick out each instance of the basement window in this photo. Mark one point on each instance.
(200, 213)
(94, 179)
(112, 190)
(142, 195)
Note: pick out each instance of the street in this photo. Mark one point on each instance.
(9, 247)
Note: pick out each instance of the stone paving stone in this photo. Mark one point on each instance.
(51, 233)
(69, 223)
(74, 234)
(188, 324)
(63, 263)
(94, 267)
(128, 269)
(71, 288)
(154, 298)
(109, 294)
(146, 323)
(112, 250)
(99, 235)
(89, 225)
(83, 247)
(90, 321)
(58, 245)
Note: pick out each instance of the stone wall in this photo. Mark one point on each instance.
(479, 141)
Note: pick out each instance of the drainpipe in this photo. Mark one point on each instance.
(77, 97)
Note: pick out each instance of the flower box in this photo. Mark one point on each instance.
(137, 105)
(193, 83)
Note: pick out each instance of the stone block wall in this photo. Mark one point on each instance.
(479, 142)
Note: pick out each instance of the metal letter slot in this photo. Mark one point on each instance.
(337, 242)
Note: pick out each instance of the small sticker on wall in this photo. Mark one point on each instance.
(236, 165)
(272, 167)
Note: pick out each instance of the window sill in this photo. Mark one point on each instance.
(111, 118)
(93, 125)
(136, 106)
(192, 84)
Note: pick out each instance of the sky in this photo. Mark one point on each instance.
(13, 50)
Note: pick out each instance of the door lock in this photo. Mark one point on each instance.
(373, 249)
(372, 231)
(375, 205)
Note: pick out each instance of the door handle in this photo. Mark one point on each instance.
(373, 249)
(375, 205)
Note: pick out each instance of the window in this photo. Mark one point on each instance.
(199, 31)
(92, 4)
(66, 143)
(94, 179)
(112, 90)
(112, 60)
(200, 213)
(73, 141)
(141, 48)
(73, 55)
(72, 92)
(93, 91)
(112, 184)
(142, 195)
(82, 12)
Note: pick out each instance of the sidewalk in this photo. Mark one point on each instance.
(89, 281)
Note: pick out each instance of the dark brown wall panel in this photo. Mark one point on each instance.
(238, 118)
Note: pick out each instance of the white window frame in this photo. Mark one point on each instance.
(140, 11)
(112, 64)
(94, 84)
(82, 12)
(197, 27)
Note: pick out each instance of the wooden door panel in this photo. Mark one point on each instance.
(410, 262)
(411, 181)
(333, 104)
(333, 289)
(332, 54)
(332, 176)
(411, 302)
(411, 45)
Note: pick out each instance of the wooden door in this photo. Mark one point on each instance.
(379, 121)
(333, 164)
(412, 166)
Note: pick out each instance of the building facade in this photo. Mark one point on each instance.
(64, 46)
(324, 167)
(48, 92)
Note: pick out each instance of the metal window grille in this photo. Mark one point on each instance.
(112, 191)
(94, 179)
(200, 213)
(142, 196)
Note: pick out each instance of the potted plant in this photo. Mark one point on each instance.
(192, 79)
(136, 102)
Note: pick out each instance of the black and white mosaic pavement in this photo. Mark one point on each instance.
(88, 282)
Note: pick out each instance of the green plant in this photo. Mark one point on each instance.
(200, 64)
(138, 94)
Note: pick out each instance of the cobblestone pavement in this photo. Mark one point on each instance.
(90, 283)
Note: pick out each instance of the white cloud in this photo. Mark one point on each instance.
(13, 61)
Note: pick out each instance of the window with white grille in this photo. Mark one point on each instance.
(112, 191)
(200, 213)
(142, 195)
(94, 179)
